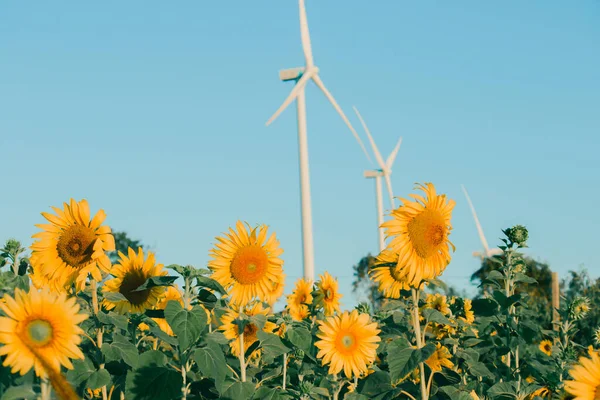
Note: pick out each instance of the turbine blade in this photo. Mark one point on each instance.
(373, 145)
(388, 183)
(305, 35)
(479, 229)
(299, 86)
(335, 105)
(392, 157)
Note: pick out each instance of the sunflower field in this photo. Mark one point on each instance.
(76, 325)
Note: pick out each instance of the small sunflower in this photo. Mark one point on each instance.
(469, 317)
(440, 358)
(419, 233)
(348, 342)
(586, 379)
(40, 324)
(72, 246)
(232, 333)
(246, 263)
(328, 288)
(437, 302)
(298, 301)
(389, 277)
(130, 273)
(546, 347)
(543, 392)
(93, 393)
(275, 291)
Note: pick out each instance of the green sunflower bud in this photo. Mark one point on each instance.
(579, 308)
(518, 234)
(364, 308)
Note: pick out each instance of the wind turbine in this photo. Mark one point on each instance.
(301, 76)
(385, 171)
(487, 252)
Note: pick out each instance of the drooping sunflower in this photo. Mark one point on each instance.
(440, 358)
(246, 263)
(275, 291)
(586, 378)
(546, 347)
(437, 302)
(72, 246)
(389, 277)
(129, 273)
(348, 342)
(419, 233)
(328, 288)
(300, 299)
(40, 324)
(232, 333)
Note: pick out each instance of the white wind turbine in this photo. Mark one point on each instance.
(487, 252)
(385, 171)
(301, 76)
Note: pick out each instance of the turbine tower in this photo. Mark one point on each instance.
(385, 171)
(301, 76)
(487, 252)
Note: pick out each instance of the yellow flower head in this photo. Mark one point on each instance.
(348, 342)
(328, 287)
(390, 278)
(130, 273)
(469, 317)
(71, 247)
(276, 291)
(437, 302)
(232, 333)
(585, 384)
(546, 347)
(298, 301)
(440, 358)
(93, 393)
(246, 263)
(419, 233)
(40, 325)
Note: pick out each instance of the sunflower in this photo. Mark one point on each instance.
(437, 302)
(469, 317)
(72, 246)
(440, 358)
(546, 347)
(349, 341)
(40, 324)
(389, 277)
(328, 288)
(542, 392)
(246, 263)
(275, 291)
(130, 273)
(298, 301)
(586, 378)
(419, 235)
(232, 333)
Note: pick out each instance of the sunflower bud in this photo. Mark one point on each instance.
(580, 307)
(597, 336)
(518, 234)
(306, 387)
(363, 308)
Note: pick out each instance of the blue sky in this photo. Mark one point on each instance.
(155, 112)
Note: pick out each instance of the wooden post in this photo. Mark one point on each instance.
(555, 299)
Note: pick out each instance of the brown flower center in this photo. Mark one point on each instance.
(39, 332)
(131, 281)
(76, 245)
(427, 232)
(249, 264)
(329, 294)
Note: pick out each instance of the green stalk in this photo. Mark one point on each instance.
(420, 343)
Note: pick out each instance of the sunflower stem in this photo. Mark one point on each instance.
(242, 359)
(45, 390)
(184, 384)
(284, 369)
(417, 328)
(99, 333)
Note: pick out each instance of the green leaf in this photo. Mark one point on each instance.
(266, 393)
(271, 345)
(217, 337)
(152, 358)
(23, 392)
(455, 393)
(208, 299)
(446, 377)
(376, 383)
(155, 383)
(187, 325)
(300, 337)
(258, 320)
(155, 281)
(480, 370)
(402, 361)
(521, 277)
(502, 391)
(212, 364)
(98, 379)
(159, 333)
(129, 352)
(355, 396)
(82, 369)
(433, 315)
(209, 283)
(114, 296)
(112, 318)
(238, 390)
(484, 307)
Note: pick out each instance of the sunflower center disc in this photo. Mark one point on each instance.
(427, 232)
(347, 341)
(76, 245)
(250, 329)
(249, 264)
(131, 281)
(328, 294)
(40, 332)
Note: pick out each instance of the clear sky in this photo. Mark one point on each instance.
(155, 111)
